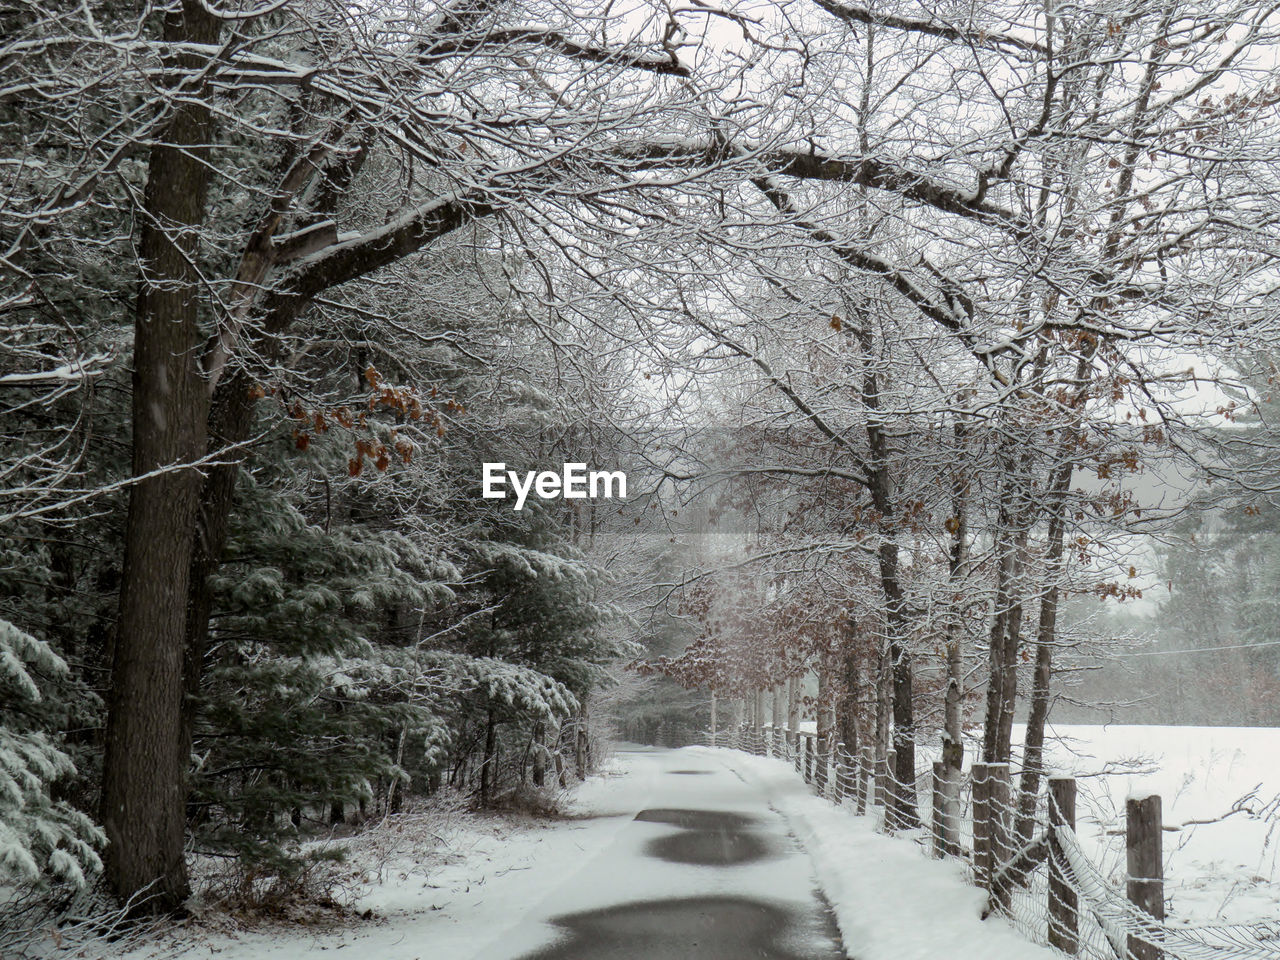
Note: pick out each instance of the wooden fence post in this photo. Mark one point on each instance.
(950, 810)
(841, 769)
(821, 764)
(1145, 861)
(808, 757)
(862, 785)
(1064, 920)
(1001, 830)
(939, 811)
(713, 718)
(981, 825)
(757, 721)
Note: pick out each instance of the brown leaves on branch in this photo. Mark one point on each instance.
(404, 403)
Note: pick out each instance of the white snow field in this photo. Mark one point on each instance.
(1225, 871)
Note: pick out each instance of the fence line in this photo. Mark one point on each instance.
(1040, 879)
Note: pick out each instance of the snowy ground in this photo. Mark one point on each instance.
(601, 886)
(446, 892)
(587, 886)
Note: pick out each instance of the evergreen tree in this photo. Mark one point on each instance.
(42, 840)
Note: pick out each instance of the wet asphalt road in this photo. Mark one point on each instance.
(700, 869)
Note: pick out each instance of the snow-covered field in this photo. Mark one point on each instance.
(1227, 870)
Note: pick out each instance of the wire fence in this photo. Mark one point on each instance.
(1030, 860)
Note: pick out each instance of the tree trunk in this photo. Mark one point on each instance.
(582, 745)
(539, 754)
(793, 709)
(144, 773)
(1010, 652)
(848, 713)
(823, 714)
(395, 789)
(995, 663)
(490, 755)
(883, 708)
(1046, 633)
(953, 719)
(958, 569)
(880, 485)
(1006, 626)
(825, 725)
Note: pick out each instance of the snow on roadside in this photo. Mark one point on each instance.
(431, 887)
(890, 902)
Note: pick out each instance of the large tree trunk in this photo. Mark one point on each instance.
(823, 713)
(143, 788)
(953, 716)
(902, 801)
(847, 714)
(582, 745)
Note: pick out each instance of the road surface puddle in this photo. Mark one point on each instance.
(705, 928)
(708, 838)
(698, 819)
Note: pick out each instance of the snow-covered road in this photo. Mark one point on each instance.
(694, 864)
